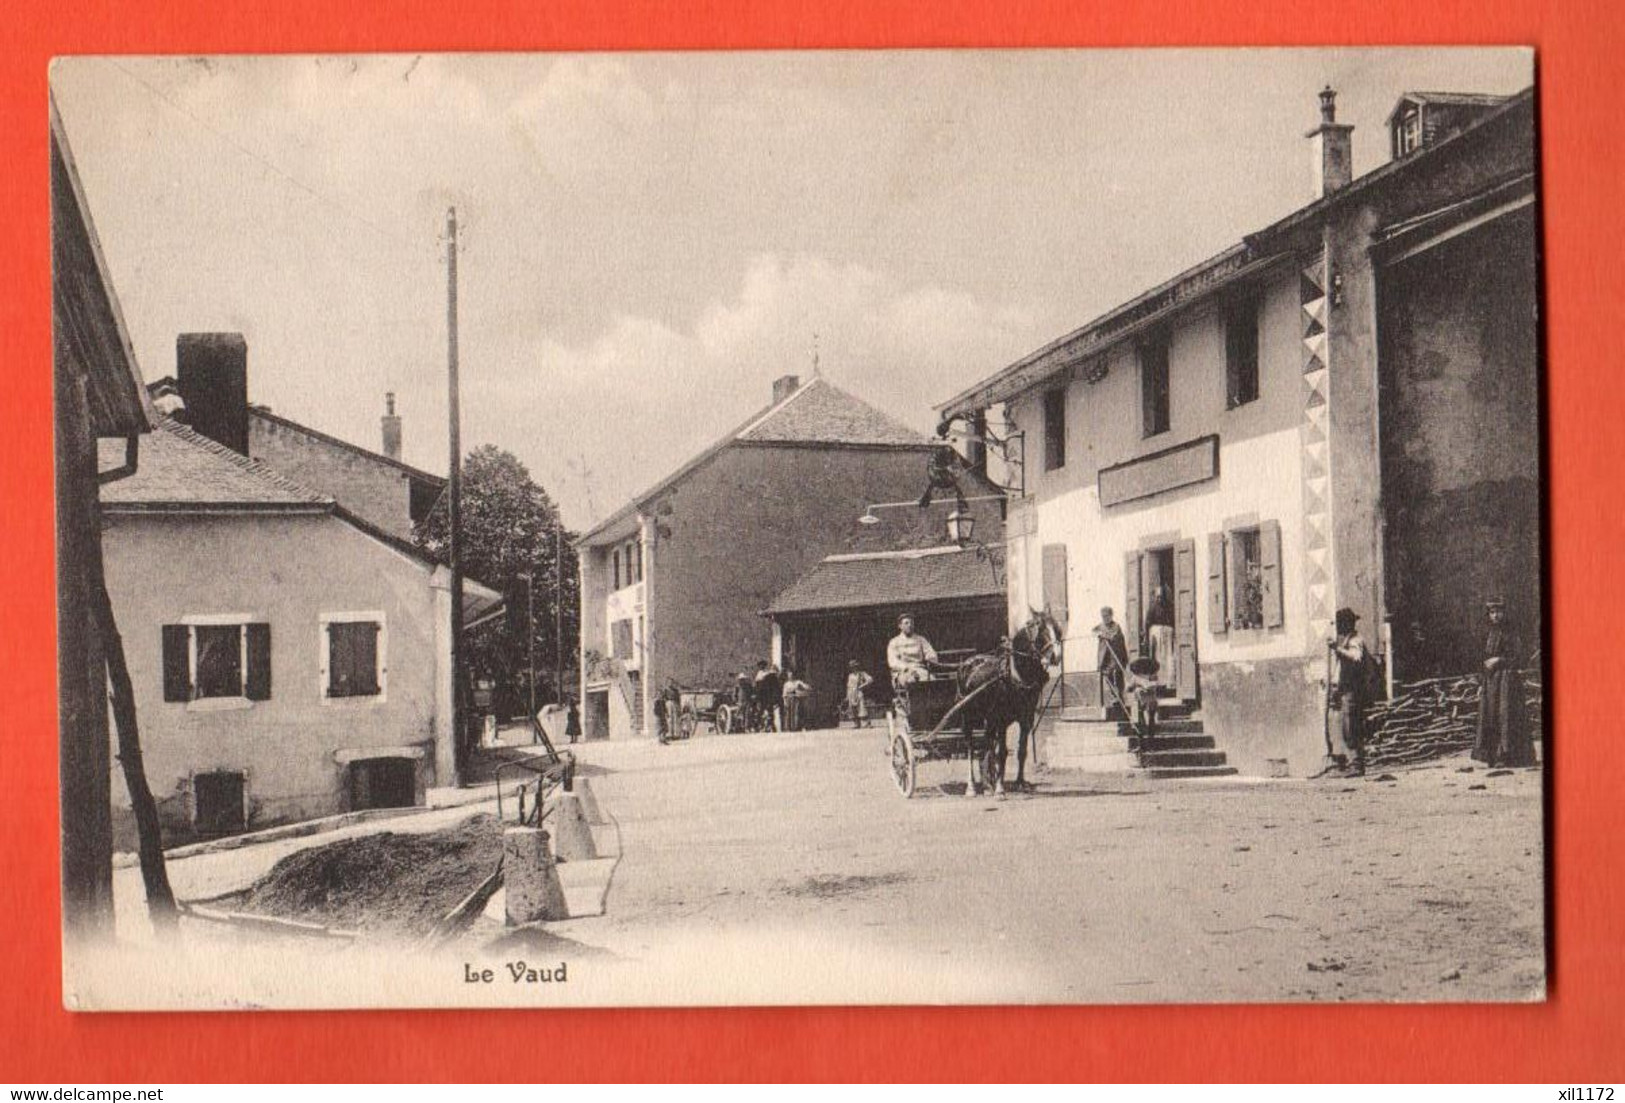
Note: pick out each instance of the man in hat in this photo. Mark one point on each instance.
(1348, 693)
(1111, 657)
(1503, 711)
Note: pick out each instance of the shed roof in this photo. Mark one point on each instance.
(873, 579)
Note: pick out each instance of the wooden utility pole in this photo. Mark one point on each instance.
(459, 722)
(558, 608)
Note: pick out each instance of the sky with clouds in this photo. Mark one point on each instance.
(648, 240)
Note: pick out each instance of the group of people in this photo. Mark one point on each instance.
(770, 699)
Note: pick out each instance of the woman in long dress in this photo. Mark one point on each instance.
(1503, 713)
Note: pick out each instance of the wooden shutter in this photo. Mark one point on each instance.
(1055, 581)
(177, 662)
(1185, 616)
(257, 682)
(1133, 627)
(1217, 610)
(1269, 554)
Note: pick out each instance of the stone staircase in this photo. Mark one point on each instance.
(1094, 739)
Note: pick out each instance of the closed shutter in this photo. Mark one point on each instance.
(1269, 552)
(257, 684)
(177, 662)
(1055, 581)
(1217, 610)
(1133, 625)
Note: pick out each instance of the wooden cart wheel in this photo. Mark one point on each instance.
(725, 719)
(902, 763)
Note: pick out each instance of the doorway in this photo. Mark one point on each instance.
(595, 721)
(1161, 587)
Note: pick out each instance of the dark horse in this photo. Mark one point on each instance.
(1008, 685)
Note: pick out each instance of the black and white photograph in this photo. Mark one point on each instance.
(800, 528)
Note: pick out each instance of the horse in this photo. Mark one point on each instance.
(1008, 684)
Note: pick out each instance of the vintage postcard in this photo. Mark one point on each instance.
(799, 528)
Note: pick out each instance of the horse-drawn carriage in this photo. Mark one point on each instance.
(938, 719)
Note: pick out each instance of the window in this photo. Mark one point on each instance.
(217, 803)
(1055, 429)
(1241, 351)
(634, 562)
(352, 660)
(222, 658)
(1246, 580)
(1408, 135)
(615, 557)
(1155, 415)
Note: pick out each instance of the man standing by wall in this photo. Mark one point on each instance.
(1349, 693)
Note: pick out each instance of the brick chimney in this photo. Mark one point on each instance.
(392, 427)
(211, 371)
(1331, 148)
(785, 386)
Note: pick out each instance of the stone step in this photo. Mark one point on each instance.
(1167, 726)
(1173, 772)
(1169, 741)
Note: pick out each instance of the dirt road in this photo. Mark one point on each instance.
(784, 867)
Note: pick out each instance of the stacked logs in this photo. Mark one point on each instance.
(1436, 717)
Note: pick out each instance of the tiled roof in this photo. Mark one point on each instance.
(817, 412)
(890, 578)
(822, 413)
(179, 469)
(354, 449)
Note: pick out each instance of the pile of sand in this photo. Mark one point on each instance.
(388, 882)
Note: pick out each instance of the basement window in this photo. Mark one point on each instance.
(218, 807)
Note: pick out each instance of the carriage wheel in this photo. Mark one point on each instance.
(902, 763)
(725, 719)
(687, 721)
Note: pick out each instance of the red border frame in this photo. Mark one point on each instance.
(1576, 1037)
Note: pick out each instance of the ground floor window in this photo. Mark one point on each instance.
(217, 657)
(352, 655)
(1244, 578)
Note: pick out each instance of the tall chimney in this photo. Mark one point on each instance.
(785, 386)
(211, 371)
(1331, 148)
(392, 427)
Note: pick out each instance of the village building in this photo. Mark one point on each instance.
(100, 403)
(290, 659)
(846, 607)
(673, 584)
(1342, 409)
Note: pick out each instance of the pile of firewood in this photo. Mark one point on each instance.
(1437, 717)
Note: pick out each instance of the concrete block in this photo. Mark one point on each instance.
(589, 803)
(530, 880)
(572, 835)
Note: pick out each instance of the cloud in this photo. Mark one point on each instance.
(638, 399)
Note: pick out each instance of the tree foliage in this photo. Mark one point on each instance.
(511, 528)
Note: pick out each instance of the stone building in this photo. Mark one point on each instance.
(1342, 409)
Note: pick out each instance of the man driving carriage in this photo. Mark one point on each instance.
(910, 658)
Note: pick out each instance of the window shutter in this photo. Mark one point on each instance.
(257, 684)
(1133, 627)
(177, 640)
(1055, 581)
(1269, 553)
(366, 657)
(1218, 621)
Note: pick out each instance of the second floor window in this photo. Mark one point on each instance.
(1155, 412)
(1055, 429)
(1241, 351)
